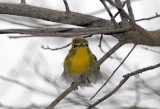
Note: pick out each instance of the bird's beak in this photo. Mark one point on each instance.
(81, 45)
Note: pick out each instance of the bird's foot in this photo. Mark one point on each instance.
(82, 79)
(88, 80)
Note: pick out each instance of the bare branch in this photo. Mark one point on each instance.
(66, 6)
(113, 72)
(132, 37)
(126, 77)
(124, 21)
(100, 43)
(119, 11)
(53, 49)
(76, 19)
(53, 15)
(110, 14)
(130, 9)
(149, 18)
(23, 1)
(63, 32)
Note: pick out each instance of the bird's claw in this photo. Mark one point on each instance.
(82, 79)
(88, 80)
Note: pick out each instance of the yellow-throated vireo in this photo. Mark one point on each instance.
(78, 61)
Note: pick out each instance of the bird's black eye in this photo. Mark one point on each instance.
(87, 45)
(74, 46)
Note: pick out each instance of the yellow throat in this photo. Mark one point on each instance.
(80, 62)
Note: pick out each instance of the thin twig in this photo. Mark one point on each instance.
(100, 43)
(86, 74)
(23, 1)
(119, 11)
(149, 18)
(130, 9)
(117, 58)
(126, 77)
(66, 6)
(110, 14)
(124, 21)
(88, 36)
(109, 47)
(113, 72)
(54, 49)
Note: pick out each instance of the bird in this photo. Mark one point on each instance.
(79, 60)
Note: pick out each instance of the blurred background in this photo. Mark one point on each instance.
(30, 75)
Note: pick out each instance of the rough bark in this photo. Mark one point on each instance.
(77, 19)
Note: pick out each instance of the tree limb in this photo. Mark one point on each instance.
(149, 18)
(53, 15)
(126, 77)
(76, 19)
(64, 32)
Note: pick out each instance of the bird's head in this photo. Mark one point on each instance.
(79, 42)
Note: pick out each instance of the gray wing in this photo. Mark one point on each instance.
(68, 78)
(95, 58)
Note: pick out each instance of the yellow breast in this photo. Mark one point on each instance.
(80, 62)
